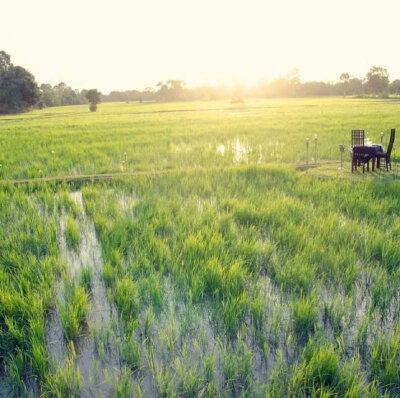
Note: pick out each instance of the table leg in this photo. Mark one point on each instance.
(373, 163)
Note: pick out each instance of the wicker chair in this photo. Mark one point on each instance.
(386, 155)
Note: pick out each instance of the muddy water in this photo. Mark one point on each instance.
(98, 363)
(5, 390)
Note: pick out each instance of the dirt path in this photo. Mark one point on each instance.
(83, 177)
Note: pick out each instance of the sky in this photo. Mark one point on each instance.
(131, 44)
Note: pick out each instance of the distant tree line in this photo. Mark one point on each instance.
(375, 83)
(59, 95)
(19, 91)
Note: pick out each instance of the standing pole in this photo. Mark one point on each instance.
(315, 148)
(307, 146)
(341, 147)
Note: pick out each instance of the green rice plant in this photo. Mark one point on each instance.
(39, 358)
(297, 275)
(257, 311)
(65, 202)
(73, 311)
(334, 312)
(148, 323)
(229, 366)
(189, 376)
(164, 380)
(123, 385)
(382, 291)
(362, 336)
(86, 278)
(72, 233)
(109, 276)
(64, 382)
(233, 311)
(209, 368)
(126, 298)
(16, 366)
(304, 316)
(319, 371)
(101, 337)
(385, 361)
(131, 352)
(244, 365)
(321, 374)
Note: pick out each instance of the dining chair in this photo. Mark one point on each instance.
(386, 155)
(357, 138)
(358, 157)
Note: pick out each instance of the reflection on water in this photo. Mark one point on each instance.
(221, 149)
(240, 151)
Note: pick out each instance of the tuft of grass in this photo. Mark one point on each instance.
(131, 352)
(304, 315)
(65, 381)
(73, 311)
(385, 361)
(126, 298)
(72, 233)
(86, 278)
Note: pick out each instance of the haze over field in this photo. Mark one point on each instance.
(130, 44)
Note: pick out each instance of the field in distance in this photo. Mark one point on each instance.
(148, 136)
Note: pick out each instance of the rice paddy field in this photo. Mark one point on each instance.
(228, 274)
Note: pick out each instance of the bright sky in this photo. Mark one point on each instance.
(131, 44)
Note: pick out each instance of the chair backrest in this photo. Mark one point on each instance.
(357, 138)
(391, 141)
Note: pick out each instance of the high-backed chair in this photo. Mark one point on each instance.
(358, 156)
(357, 138)
(386, 155)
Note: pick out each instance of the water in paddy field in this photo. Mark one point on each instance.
(5, 390)
(243, 153)
(96, 349)
(221, 149)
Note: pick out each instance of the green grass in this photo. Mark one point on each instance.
(73, 311)
(72, 140)
(227, 281)
(72, 233)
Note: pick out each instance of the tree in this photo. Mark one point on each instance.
(394, 87)
(94, 98)
(18, 90)
(5, 62)
(377, 80)
(344, 81)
